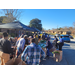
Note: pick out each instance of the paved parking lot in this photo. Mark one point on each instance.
(68, 55)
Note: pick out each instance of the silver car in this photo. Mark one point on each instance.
(57, 35)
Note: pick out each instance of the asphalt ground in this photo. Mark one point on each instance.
(68, 57)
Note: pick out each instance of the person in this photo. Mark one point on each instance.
(33, 52)
(60, 43)
(20, 37)
(48, 47)
(36, 35)
(5, 45)
(20, 46)
(55, 40)
(48, 37)
(26, 40)
(36, 39)
(17, 41)
(29, 39)
(43, 37)
(11, 41)
(39, 37)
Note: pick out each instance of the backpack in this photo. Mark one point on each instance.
(62, 42)
(56, 39)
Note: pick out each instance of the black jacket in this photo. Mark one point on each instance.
(5, 46)
(49, 45)
(26, 41)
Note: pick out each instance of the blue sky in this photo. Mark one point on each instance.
(50, 18)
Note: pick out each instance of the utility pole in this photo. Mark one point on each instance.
(57, 26)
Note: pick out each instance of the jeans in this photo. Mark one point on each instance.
(19, 52)
(49, 53)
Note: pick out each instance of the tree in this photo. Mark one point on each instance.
(1, 19)
(43, 29)
(70, 28)
(36, 23)
(74, 24)
(59, 28)
(11, 15)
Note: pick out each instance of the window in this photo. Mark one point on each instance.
(66, 36)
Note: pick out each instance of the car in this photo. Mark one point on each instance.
(71, 37)
(57, 35)
(65, 38)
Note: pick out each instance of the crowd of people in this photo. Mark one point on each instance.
(28, 47)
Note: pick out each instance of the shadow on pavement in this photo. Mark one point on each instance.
(51, 61)
(72, 42)
(66, 44)
(69, 56)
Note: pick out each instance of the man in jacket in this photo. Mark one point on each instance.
(5, 45)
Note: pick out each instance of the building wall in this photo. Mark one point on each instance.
(64, 33)
(3, 30)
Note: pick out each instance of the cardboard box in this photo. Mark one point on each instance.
(22, 63)
(4, 57)
(10, 62)
(15, 61)
(58, 56)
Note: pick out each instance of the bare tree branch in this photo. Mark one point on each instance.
(12, 14)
